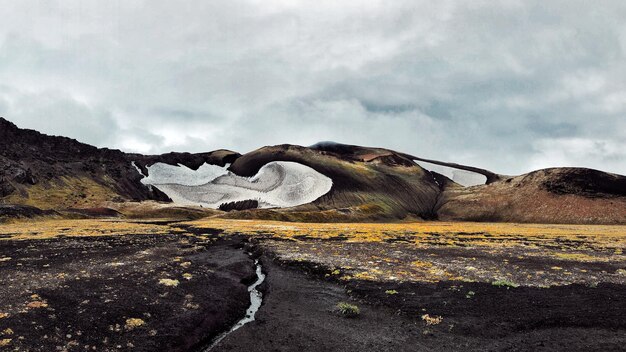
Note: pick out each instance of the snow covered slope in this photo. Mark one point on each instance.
(161, 173)
(462, 177)
(277, 184)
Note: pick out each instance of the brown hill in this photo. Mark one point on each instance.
(557, 195)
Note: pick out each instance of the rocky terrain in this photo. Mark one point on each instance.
(117, 285)
(139, 292)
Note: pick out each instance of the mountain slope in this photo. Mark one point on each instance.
(51, 172)
(368, 184)
(557, 195)
(375, 181)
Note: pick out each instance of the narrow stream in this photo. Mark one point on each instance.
(256, 298)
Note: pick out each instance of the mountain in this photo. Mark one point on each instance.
(556, 195)
(50, 172)
(324, 182)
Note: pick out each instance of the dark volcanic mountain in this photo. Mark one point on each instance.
(51, 172)
(368, 184)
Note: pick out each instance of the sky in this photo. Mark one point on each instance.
(510, 86)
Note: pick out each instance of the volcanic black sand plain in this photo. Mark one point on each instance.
(122, 285)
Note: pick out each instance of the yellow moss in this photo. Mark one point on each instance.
(132, 323)
(5, 342)
(65, 192)
(577, 257)
(421, 264)
(449, 233)
(169, 282)
(45, 229)
(37, 304)
(364, 275)
(432, 320)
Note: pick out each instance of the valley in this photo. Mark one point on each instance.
(330, 247)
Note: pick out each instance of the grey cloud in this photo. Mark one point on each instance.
(505, 85)
(58, 114)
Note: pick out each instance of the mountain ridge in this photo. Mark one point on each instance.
(369, 184)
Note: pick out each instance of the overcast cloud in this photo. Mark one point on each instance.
(506, 85)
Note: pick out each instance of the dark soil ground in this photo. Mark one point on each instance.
(175, 292)
(299, 314)
(78, 293)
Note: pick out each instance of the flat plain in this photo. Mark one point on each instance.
(162, 284)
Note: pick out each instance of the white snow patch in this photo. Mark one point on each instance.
(137, 168)
(277, 184)
(462, 177)
(161, 173)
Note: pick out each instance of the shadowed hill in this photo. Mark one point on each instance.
(51, 172)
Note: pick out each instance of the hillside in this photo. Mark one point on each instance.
(50, 172)
(326, 182)
(368, 183)
(557, 195)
